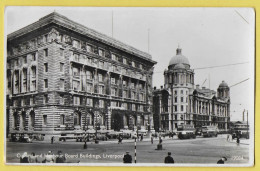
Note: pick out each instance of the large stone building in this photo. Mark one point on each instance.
(179, 102)
(63, 76)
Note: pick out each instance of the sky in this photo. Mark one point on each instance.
(208, 37)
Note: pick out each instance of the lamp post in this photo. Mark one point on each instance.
(96, 122)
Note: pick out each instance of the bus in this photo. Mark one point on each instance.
(209, 131)
(186, 132)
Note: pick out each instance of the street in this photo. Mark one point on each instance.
(191, 151)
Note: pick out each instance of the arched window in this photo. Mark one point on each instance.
(32, 118)
(16, 120)
(77, 118)
(23, 119)
(62, 119)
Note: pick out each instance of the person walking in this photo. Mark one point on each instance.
(60, 158)
(222, 160)
(151, 139)
(127, 158)
(52, 139)
(168, 159)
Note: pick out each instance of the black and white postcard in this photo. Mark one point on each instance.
(125, 86)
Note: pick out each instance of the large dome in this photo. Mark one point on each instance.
(179, 59)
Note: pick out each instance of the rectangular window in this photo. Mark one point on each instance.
(175, 100)
(61, 84)
(114, 57)
(133, 107)
(45, 53)
(113, 81)
(90, 49)
(76, 57)
(181, 99)
(45, 99)
(89, 102)
(33, 85)
(76, 85)
(101, 103)
(175, 92)
(61, 52)
(176, 108)
(100, 77)
(124, 94)
(76, 100)
(34, 57)
(33, 71)
(181, 91)
(113, 92)
(76, 44)
(62, 99)
(45, 67)
(89, 87)
(124, 61)
(32, 100)
(89, 75)
(132, 85)
(45, 83)
(101, 52)
(124, 83)
(61, 67)
(132, 95)
(141, 97)
(181, 107)
(141, 108)
(133, 64)
(101, 89)
(76, 72)
(45, 120)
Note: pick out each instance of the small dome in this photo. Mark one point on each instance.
(223, 84)
(179, 66)
(179, 59)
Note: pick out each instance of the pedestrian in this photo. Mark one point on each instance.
(33, 158)
(127, 158)
(238, 140)
(49, 157)
(24, 158)
(52, 139)
(168, 159)
(151, 139)
(222, 160)
(142, 137)
(160, 140)
(60, 158)
(228, 137)
(120, 139)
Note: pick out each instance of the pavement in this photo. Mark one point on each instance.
(191, 151)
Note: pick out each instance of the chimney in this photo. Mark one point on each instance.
(197, 86)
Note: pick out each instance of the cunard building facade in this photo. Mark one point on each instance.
(179, 102)
(63, 76)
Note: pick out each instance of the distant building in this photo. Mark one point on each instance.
(63, 76)
(178, 102)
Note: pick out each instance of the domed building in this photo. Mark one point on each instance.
(180, 103)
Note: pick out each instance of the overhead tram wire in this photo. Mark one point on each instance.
(217, 66)
(239, 82)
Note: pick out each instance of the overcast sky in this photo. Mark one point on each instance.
(207, 36)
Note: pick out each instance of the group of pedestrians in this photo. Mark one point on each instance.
(47, 158)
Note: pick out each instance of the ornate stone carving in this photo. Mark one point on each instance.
(54, 35)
